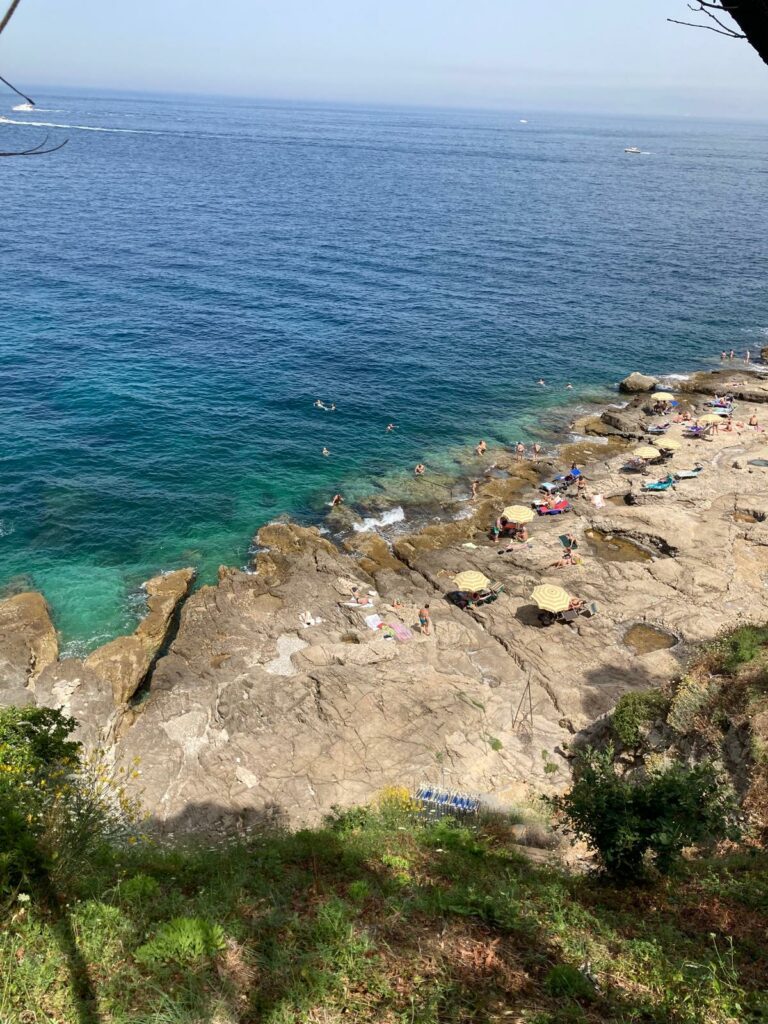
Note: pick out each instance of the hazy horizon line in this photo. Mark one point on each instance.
(388, 105)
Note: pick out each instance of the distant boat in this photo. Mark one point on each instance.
(633, 149)
(26, 107)
(523, 121)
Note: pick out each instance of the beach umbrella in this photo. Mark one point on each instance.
(668, 444)
(646, 451)
(662, 396)
(471, 580)
(518, 514)
(711, 417)
(551, 598)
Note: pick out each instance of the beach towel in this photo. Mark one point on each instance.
(373, 622)
(598, 501)
(401, 632)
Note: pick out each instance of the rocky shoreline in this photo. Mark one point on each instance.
(267, 696)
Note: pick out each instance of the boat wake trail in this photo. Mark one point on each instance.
(81, 127)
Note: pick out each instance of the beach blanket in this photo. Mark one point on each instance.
(373, 622)
(401, 632)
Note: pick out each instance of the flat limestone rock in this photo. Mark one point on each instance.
(80, 693)
(28, 640)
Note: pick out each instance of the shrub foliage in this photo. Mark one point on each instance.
(631, 820)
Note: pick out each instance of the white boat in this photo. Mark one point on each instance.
(633, 149)
(25, 107)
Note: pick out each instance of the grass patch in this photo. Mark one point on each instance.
(377, 917)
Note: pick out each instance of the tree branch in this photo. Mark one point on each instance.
(17, 91)
(9, 14)
(721, 32)
(703, 9)
(37, 150)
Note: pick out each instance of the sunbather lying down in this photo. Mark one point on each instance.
(569, 557)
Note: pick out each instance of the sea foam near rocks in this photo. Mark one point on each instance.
(388, 518)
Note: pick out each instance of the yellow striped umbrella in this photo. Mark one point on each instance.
(551, 598)
(518, 514)
(646, 452)
(663, 396)
(711, 417)
(471, 580)
(668, 444)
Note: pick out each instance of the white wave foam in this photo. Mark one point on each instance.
(394, 515)
(79, 127)
(6, 528)
(465, 513)
(677, 376)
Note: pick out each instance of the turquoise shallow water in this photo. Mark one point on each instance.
(177, 287)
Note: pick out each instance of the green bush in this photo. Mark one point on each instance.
(627, 820)
(183, 940)
(634, 710)
(55, 807)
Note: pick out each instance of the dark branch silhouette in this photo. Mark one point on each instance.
(750, 16)
(9, 14)
(39, 149)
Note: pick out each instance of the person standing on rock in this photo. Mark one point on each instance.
(425, 620)
(747, 355)
(520, 451)
(475, 485)
(536, 451)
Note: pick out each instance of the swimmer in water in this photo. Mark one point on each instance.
(390, 427)
(420, 469)
(319, 404)
(541, 382)
(336, 500)
(326, 452)
(331, 407)
(481, 448)
(569, 387)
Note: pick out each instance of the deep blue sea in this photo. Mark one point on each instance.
(185, 278)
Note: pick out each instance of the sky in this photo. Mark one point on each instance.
(587, 55)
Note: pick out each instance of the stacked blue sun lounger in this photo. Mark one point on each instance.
(444, 801)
